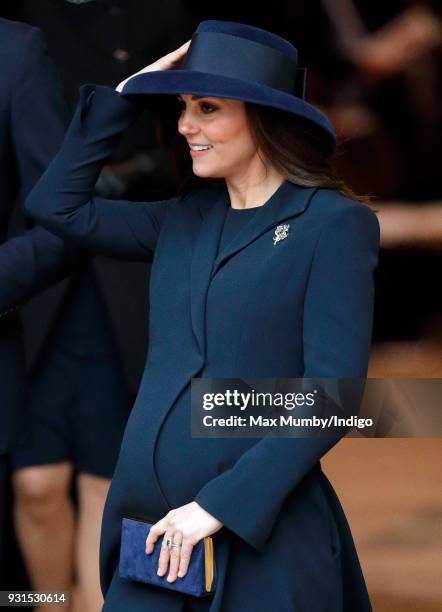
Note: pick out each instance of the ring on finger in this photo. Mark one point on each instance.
(171, 544)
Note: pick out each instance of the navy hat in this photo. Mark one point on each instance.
(226, 59)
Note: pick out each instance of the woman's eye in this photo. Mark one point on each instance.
(208, 108)
(205, 106)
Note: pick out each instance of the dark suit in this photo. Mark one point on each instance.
(300, 308)
(105, 42)
(32, 124)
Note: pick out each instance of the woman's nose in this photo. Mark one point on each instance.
(186, 125)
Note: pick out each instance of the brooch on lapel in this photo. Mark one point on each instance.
(281, 232)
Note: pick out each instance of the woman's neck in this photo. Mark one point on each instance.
(250, 192)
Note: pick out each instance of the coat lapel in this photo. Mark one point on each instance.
(203, 257)
(287, 201)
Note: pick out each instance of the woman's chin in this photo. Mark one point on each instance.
(205, 172)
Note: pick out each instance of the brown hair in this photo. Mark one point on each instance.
(299, 150)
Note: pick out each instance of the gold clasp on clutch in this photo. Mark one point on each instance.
(208, 562)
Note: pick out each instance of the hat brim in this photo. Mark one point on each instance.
(149, 89)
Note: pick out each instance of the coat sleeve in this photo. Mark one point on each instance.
(37, 122)
(63, 200)
(337, 336)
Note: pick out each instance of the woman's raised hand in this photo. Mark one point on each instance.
(171, 60)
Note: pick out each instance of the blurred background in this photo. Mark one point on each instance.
(375, 70)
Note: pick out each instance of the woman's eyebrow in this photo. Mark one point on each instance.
(195, 97)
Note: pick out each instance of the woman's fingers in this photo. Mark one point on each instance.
(164, 63)
(182, 49)
(175, 553)
(186, 553)
(168, 60)
(154, 533)
(173, 57)
(176, 558)
(163, 562)
(185, 527)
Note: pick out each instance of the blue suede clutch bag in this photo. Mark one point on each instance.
(136, 565)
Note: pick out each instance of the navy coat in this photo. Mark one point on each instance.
(32, 125)
(302, 307)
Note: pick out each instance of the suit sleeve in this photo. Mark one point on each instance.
(337, 333)
(38, 117)
(63, 200)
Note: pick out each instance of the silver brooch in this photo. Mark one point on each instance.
(281, 232)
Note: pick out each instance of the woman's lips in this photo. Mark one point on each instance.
(198, 153)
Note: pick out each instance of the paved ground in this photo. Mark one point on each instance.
(391, 491)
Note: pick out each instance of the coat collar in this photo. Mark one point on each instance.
(288, 201)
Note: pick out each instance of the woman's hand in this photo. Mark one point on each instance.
(186, 526)
(171, 60)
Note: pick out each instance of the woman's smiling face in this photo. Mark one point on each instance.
(221, 124)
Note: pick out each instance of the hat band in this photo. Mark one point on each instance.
(239, 58)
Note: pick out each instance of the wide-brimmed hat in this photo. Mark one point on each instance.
(226, 59)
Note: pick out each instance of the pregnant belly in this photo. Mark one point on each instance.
(179, 464)
(184, 464)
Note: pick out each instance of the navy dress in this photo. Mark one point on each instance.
(79, 401)
(235, 219)
(253, 307)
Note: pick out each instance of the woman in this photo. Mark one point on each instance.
(250, 306)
